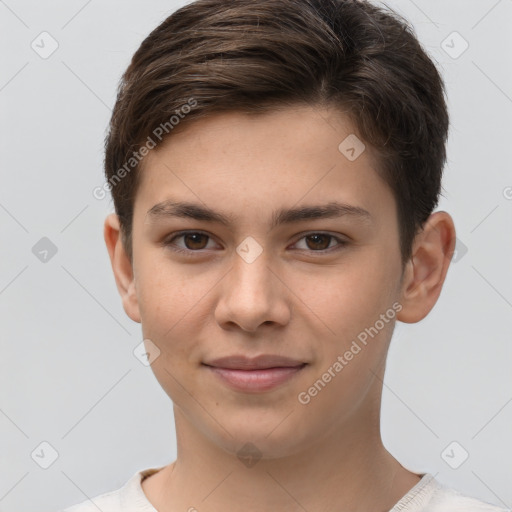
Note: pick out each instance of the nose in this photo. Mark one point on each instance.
(253, 294)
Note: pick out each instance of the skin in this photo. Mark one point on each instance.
(292, 300)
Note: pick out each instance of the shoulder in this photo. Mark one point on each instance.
(129, 498)
(430, 495)
(445, 499)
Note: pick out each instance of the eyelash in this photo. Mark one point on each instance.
(191, 253)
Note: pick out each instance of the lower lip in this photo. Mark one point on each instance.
(255, 380)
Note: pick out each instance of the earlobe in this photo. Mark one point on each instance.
(426, 270)
(121, 266)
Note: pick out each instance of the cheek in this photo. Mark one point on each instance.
(173, 305)
(350, 296)
(164, 291)
(162, 302)
(166, 310)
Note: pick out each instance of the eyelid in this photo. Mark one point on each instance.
(169, 241)
(341, 241)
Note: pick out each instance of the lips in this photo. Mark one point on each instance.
(254, 375)
(265, 361)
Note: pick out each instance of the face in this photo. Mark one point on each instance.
(266, 269)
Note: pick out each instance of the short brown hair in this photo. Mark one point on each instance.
(256, 56)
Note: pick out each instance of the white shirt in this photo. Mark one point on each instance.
(428, 495)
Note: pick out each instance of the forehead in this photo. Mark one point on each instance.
(241, 162)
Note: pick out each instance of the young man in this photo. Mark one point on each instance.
(274, 167)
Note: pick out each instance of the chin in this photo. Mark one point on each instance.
(260, 439)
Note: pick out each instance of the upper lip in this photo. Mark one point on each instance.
(241, 362)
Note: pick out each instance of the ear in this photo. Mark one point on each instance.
(425, 272)
(122, 267)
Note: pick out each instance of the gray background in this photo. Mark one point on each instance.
(68, 375)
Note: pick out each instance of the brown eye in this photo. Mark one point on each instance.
(188, 242)
(319, 241)
(194, 241)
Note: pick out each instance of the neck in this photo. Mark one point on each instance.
(345, 469)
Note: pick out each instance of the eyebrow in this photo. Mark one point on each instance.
(333, 209)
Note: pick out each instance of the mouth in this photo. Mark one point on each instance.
(255, 375)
